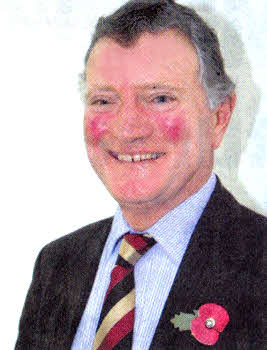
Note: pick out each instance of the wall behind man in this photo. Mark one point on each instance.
(47, 185)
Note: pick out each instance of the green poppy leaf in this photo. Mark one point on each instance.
(183, 321)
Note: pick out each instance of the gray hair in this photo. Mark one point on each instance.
(136, 17)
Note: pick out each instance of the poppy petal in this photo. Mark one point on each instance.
(203, 334)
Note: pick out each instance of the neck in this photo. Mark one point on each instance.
(142, 215)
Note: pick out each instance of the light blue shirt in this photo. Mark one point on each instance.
(154, 273)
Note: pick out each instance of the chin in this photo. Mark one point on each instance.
(136, 198)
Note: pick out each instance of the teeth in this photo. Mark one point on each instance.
(137, 157)
(146, 156)
(125, 157)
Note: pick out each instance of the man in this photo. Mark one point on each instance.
(158, 103)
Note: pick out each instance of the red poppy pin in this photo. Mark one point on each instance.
(205, 324)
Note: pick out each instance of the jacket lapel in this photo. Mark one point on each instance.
(196, 281)
(67, 289)
(85, 270)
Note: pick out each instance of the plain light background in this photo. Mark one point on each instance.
(48, 188)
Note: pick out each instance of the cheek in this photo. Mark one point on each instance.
(172, 125)
(95, 127)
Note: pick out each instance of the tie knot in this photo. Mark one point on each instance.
(134, 246)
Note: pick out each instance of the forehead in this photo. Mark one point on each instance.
(152, 57)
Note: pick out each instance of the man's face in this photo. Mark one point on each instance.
(149, 132)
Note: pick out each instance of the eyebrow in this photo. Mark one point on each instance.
(104, 88)
(158, 86)
(145, 86)
(95, 88)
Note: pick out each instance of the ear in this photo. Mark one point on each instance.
(223, 115)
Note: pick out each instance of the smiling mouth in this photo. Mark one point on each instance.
(136, 157)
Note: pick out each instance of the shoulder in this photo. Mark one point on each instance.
(77, 244)
(238, 232)
(232, 215)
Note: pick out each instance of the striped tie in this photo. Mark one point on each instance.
(115, 328)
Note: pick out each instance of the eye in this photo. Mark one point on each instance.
(100, 102)
(162, 99)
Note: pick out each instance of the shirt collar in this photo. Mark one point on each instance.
(173, 231)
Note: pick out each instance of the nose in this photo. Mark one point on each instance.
(131, 124)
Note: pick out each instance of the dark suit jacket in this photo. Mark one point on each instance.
(223, 264)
